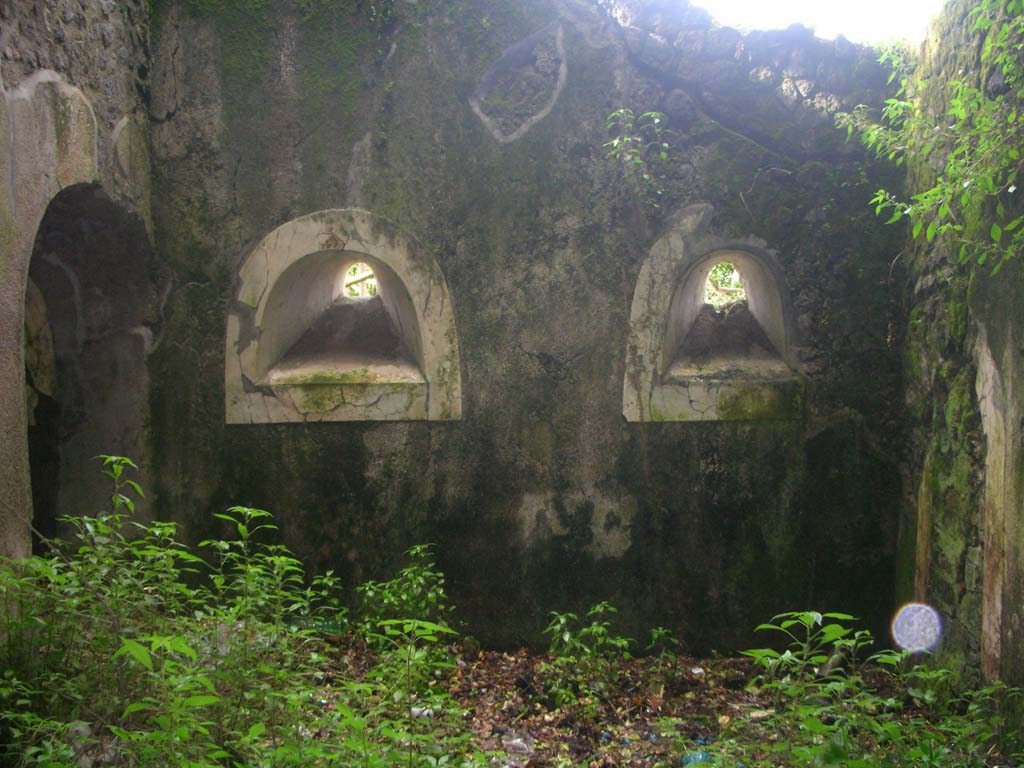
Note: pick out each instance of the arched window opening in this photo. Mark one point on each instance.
(711, 332)
(724, 286)
(725, 337)
(360, 281)
(340, 317)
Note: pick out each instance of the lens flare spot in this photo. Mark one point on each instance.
(917, 627)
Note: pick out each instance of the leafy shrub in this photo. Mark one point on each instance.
(416, 592)
(106, 630)
(583, 656)
(828, 714)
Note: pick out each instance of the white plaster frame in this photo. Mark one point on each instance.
(669, 293)
(351, 235)
(476, 100)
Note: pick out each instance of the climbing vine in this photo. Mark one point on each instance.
(973, 148)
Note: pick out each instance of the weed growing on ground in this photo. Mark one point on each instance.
(826, 713)
(584, 657)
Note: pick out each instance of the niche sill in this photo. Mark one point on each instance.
(334, 368)
(728, 367)
(345, 387)
(728, 388)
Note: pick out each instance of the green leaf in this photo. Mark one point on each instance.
(917, 228)
(832, 632)
(137, 651)
(996, 233)
(930, 234)
(201, 701)
(205, 682)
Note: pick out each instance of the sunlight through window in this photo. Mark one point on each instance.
(360, 282)
(724, 286)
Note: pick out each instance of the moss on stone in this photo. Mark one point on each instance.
(357, 376)
(761, 401)
(335, 48)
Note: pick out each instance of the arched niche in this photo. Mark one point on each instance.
(299, 349)
(676, 369)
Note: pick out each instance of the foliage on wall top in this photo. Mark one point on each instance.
(973, 148)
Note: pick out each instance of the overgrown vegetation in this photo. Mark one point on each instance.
(971, 152)
(833, 706)
(124, 647)
(108, 652)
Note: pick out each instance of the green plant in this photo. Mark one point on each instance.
(588, 640)
(166, 670)
(971, 154)
(724, 285)
(417, 592)
(26, 738)
(583, 654)
(811, 642)
(640, 143)
(827, 714)
(664, 643)
(125, 635)
(414, 660)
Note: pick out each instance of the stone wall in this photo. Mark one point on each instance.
(962, 528)
(477, 128)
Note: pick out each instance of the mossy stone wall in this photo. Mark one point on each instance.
(541, 497)
(962, 531)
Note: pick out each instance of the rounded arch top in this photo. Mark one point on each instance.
(291, 353)
(52, 131)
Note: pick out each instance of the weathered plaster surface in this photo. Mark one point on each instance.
(70, 72)
(542, 496)
(130, 141)
(962, 529)
(516, 72)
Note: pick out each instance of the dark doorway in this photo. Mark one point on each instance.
(90, 318)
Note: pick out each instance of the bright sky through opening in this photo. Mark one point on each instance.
(863, 21)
